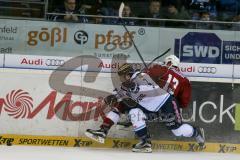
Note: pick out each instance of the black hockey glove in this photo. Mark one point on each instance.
(110, 100)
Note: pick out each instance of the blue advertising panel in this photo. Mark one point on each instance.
(197, 47)
(231, 52)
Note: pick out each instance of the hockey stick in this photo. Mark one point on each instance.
(120, 16)
(159, 57)
(139, 54)
(149, 64)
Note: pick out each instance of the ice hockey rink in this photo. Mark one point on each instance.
(58, 153)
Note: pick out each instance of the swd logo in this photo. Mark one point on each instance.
(81, 37)
(197, 47)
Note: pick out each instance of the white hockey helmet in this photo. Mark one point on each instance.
(173, 59)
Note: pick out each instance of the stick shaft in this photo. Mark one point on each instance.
(132, 41)
(127, 31)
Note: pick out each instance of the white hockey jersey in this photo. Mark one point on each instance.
(146, 92)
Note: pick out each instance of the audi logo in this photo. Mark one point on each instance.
(206, 69)
(54, 62)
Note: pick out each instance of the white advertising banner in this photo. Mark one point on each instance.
(72, 39)
(32, 102)
(106, 41)
(11, 38)
(80, 63)
(104, 47)
(1, 60)
(236, 71)
(93, 64)
(210, 70)
(35, 62)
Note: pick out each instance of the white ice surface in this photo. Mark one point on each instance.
(57, 153)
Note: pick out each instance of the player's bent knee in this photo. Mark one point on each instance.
(113, 116)
(136, 114)
(137, 118)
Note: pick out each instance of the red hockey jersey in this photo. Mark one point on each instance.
(172, 81)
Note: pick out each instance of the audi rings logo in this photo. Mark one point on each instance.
(81, 37)
(207, 69)
(54, 62)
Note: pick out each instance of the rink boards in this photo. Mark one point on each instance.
(34, 111)
(115, 143)
(54, 75)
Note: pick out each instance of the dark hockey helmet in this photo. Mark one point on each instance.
(125, 69)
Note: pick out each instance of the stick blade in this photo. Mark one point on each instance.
(121, 10)
(94, 137)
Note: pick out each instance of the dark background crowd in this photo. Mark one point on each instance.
(167, 10)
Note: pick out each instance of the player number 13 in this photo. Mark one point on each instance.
(171, 80)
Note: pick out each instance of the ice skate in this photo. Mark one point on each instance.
(200, 137)
(97, 135)
(143, 147)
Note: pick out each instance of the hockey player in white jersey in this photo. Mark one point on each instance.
(144, 100)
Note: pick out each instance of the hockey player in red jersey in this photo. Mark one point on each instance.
(144, 100)
(169, 77)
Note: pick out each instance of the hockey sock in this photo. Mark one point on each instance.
(107, 124)
(143, 134)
